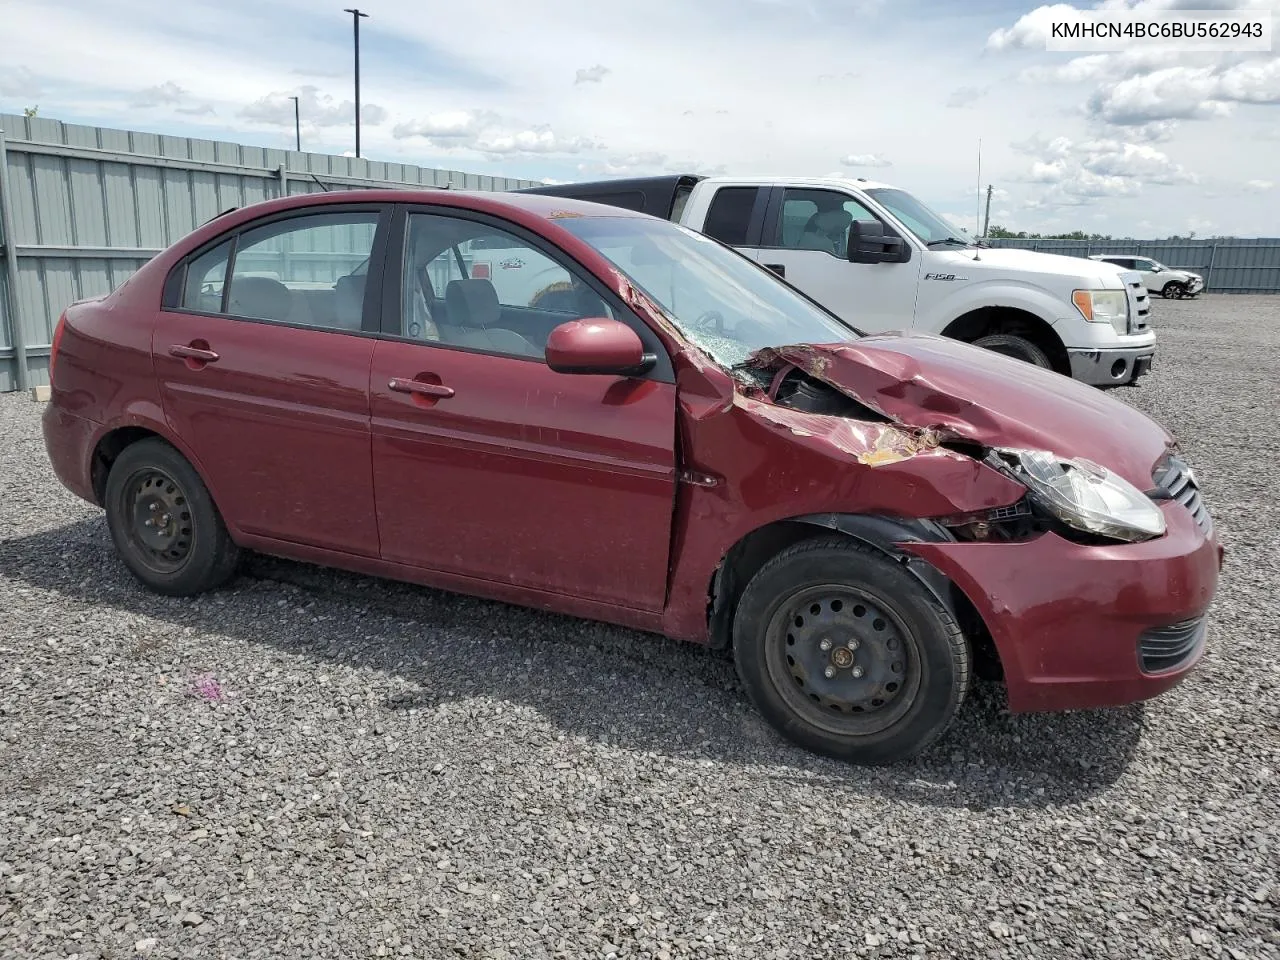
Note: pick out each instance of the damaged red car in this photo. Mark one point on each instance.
(579, 409)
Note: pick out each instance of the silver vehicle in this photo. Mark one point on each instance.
(1170, 283)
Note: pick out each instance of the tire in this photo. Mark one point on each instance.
(1019, 348)
(164, 524)
(1172, 290)
(874, 617)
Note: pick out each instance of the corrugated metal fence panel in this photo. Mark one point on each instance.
(1234, 265)
(112, 193)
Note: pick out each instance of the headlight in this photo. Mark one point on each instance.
(1086, 496)
(1103, 306)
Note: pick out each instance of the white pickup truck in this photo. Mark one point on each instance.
(881, 260)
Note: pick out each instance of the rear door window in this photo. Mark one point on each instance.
(729, 218)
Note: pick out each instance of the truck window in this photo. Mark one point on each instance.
(730, 214)
(817, 220)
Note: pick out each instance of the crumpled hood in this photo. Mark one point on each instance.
(969, 393)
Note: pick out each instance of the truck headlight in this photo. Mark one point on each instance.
(1086, 496)
(1103, 306)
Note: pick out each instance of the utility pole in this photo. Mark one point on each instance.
(986, 220)
(297, 126)
(355, 19)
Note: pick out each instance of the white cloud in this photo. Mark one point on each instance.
(591, 74)
(537, 140)
(1259, 186)
(169, 94)
(1031, 29)
(1076, 172)
(1136, 161)
(965, 96)
(488, 133)
(864, 160)
(456, 125)
(1187, 93)
(315, 109)
(18, 82)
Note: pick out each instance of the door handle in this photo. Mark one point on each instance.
(437, 390)
(192, 352)
(777, 268)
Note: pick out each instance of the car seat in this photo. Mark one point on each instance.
(473, 309)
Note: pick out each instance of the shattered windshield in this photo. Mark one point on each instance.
(721, 301)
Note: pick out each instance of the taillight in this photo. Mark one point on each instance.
(57, 338)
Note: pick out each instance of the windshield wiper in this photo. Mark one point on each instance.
(934, 243)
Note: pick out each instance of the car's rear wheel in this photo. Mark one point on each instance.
(847, 654)
(1012, 345)
(1173, 290)
(164, 523)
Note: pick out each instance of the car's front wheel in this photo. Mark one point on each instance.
(164, 523)
(1173, 290)
(847, 654)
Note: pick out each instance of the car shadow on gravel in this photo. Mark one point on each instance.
(610, 685)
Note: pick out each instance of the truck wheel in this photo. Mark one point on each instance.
(1011, 345)
(163, 522)
(848, 655)
(1172, 290)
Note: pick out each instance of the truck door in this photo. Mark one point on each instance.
(805, 238)
(735, 216)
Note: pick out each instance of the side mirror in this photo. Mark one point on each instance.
(868, 243)
(597, 345)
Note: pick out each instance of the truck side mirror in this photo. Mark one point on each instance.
(868, 243)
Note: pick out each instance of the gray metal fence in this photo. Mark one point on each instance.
(1228, 265)
(81, 208)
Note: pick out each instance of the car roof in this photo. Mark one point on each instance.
(547, 207)
(856, 183)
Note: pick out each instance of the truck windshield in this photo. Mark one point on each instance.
(929, 227)
(722, 302)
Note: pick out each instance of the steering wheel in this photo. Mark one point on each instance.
(712, 319)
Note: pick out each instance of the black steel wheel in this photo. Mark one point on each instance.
(1019, 348)
(841, 660)
(1173, 290)
(164, 523)
(848, 654)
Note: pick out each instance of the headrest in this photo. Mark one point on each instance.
(471, 303)
(831, 222)
(260, 297)
(349, 300)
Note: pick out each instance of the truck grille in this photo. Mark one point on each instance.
(1167, 648)
(1174, 480)
(1139, 306)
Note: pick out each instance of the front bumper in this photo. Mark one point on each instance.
(1111, 366)
(1089, 626)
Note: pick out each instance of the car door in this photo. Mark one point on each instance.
(489, 465)
(805, 240)
(1147, 270)
(262, 356)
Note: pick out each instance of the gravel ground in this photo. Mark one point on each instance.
(316, 764)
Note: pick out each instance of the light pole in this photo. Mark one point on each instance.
(297, 126)
(355, 20)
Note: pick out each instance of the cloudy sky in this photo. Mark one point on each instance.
(1132, 143)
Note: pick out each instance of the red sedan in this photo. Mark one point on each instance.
(576, 408)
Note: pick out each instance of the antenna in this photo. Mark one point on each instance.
(977, 219)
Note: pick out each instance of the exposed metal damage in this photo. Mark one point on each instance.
(807, 399)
